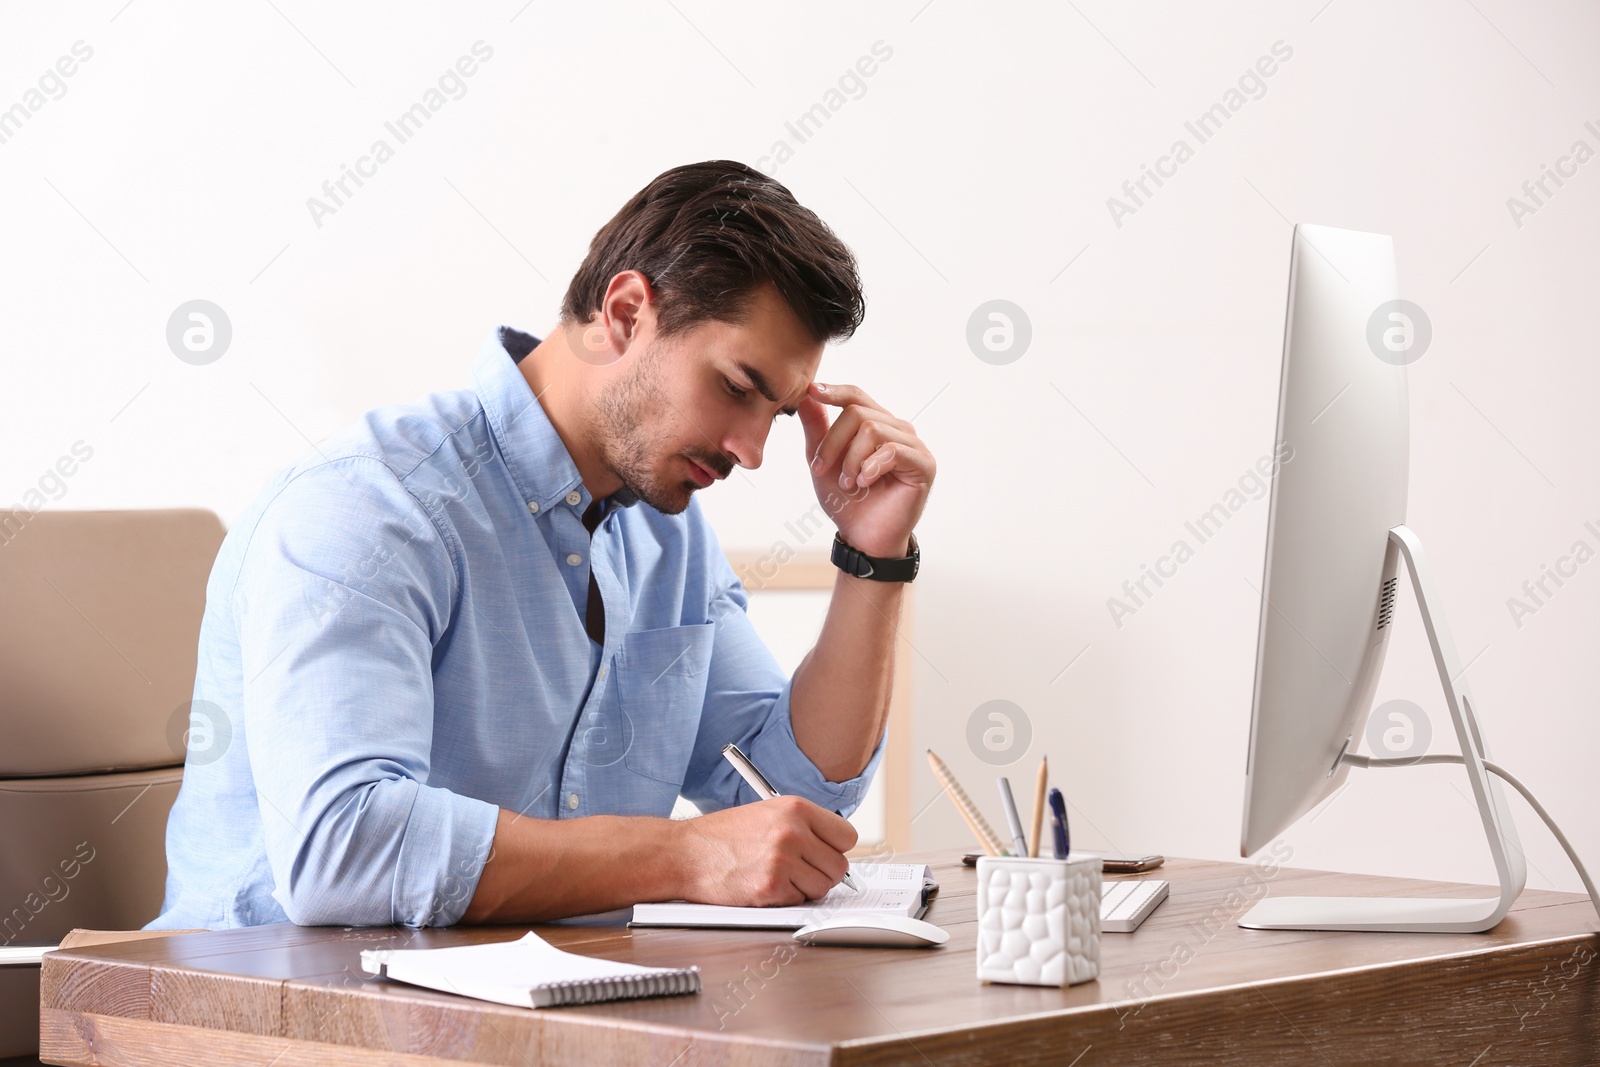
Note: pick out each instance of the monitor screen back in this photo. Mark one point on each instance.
(1343, 443)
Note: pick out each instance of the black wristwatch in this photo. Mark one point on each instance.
(857, 564)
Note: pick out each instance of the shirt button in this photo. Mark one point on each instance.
(574, 559)
(533, 506)
(574, 498)
(572, 801)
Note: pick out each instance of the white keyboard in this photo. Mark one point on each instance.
(1125, 903)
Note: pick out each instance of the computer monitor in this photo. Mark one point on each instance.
(1335, 535)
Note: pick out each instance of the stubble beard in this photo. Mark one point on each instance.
(625, 413)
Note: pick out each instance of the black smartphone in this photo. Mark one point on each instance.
(1110, 862)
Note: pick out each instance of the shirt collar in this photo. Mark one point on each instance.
(541, 467)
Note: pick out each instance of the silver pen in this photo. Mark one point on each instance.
(758, 781)
(1019, 840)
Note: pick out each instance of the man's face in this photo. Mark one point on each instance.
(693, 405)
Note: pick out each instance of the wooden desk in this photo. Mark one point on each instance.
(1189, 987)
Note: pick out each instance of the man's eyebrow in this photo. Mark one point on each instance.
(760, 382)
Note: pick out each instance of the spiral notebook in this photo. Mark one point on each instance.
(529, 973)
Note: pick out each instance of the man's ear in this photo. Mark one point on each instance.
(628, 311)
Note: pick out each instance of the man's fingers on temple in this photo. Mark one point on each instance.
(838, 438)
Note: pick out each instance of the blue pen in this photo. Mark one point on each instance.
(1058, 823)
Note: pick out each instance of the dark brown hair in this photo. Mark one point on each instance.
(706, 235)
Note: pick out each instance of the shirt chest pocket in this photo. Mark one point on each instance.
(661, 686)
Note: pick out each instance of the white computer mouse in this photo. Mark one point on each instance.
(885, 931)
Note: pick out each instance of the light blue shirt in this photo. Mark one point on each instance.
(393, 647)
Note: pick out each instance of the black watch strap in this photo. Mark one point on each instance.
(860, 565)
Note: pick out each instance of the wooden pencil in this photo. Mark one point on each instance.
(969, 811)
(1038, 805)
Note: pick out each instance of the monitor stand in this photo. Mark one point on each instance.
(1417, 914)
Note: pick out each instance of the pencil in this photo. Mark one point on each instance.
(1038, 805)
(969, 811)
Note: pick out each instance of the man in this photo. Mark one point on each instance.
(462, 662)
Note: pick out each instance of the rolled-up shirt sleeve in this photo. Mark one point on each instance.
(747, 702)
(345, 588)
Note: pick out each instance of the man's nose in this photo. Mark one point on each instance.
(746, 444)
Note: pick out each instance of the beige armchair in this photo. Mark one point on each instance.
(99, 623)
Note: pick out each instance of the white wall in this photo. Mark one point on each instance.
(789, 621)
(976, 165)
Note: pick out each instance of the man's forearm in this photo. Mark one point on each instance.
(773, 853)
(541, 869)
(839, 701)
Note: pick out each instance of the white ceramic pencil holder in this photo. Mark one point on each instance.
(1038, 920)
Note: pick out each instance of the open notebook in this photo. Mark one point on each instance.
(886, 888)
(530, 973)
